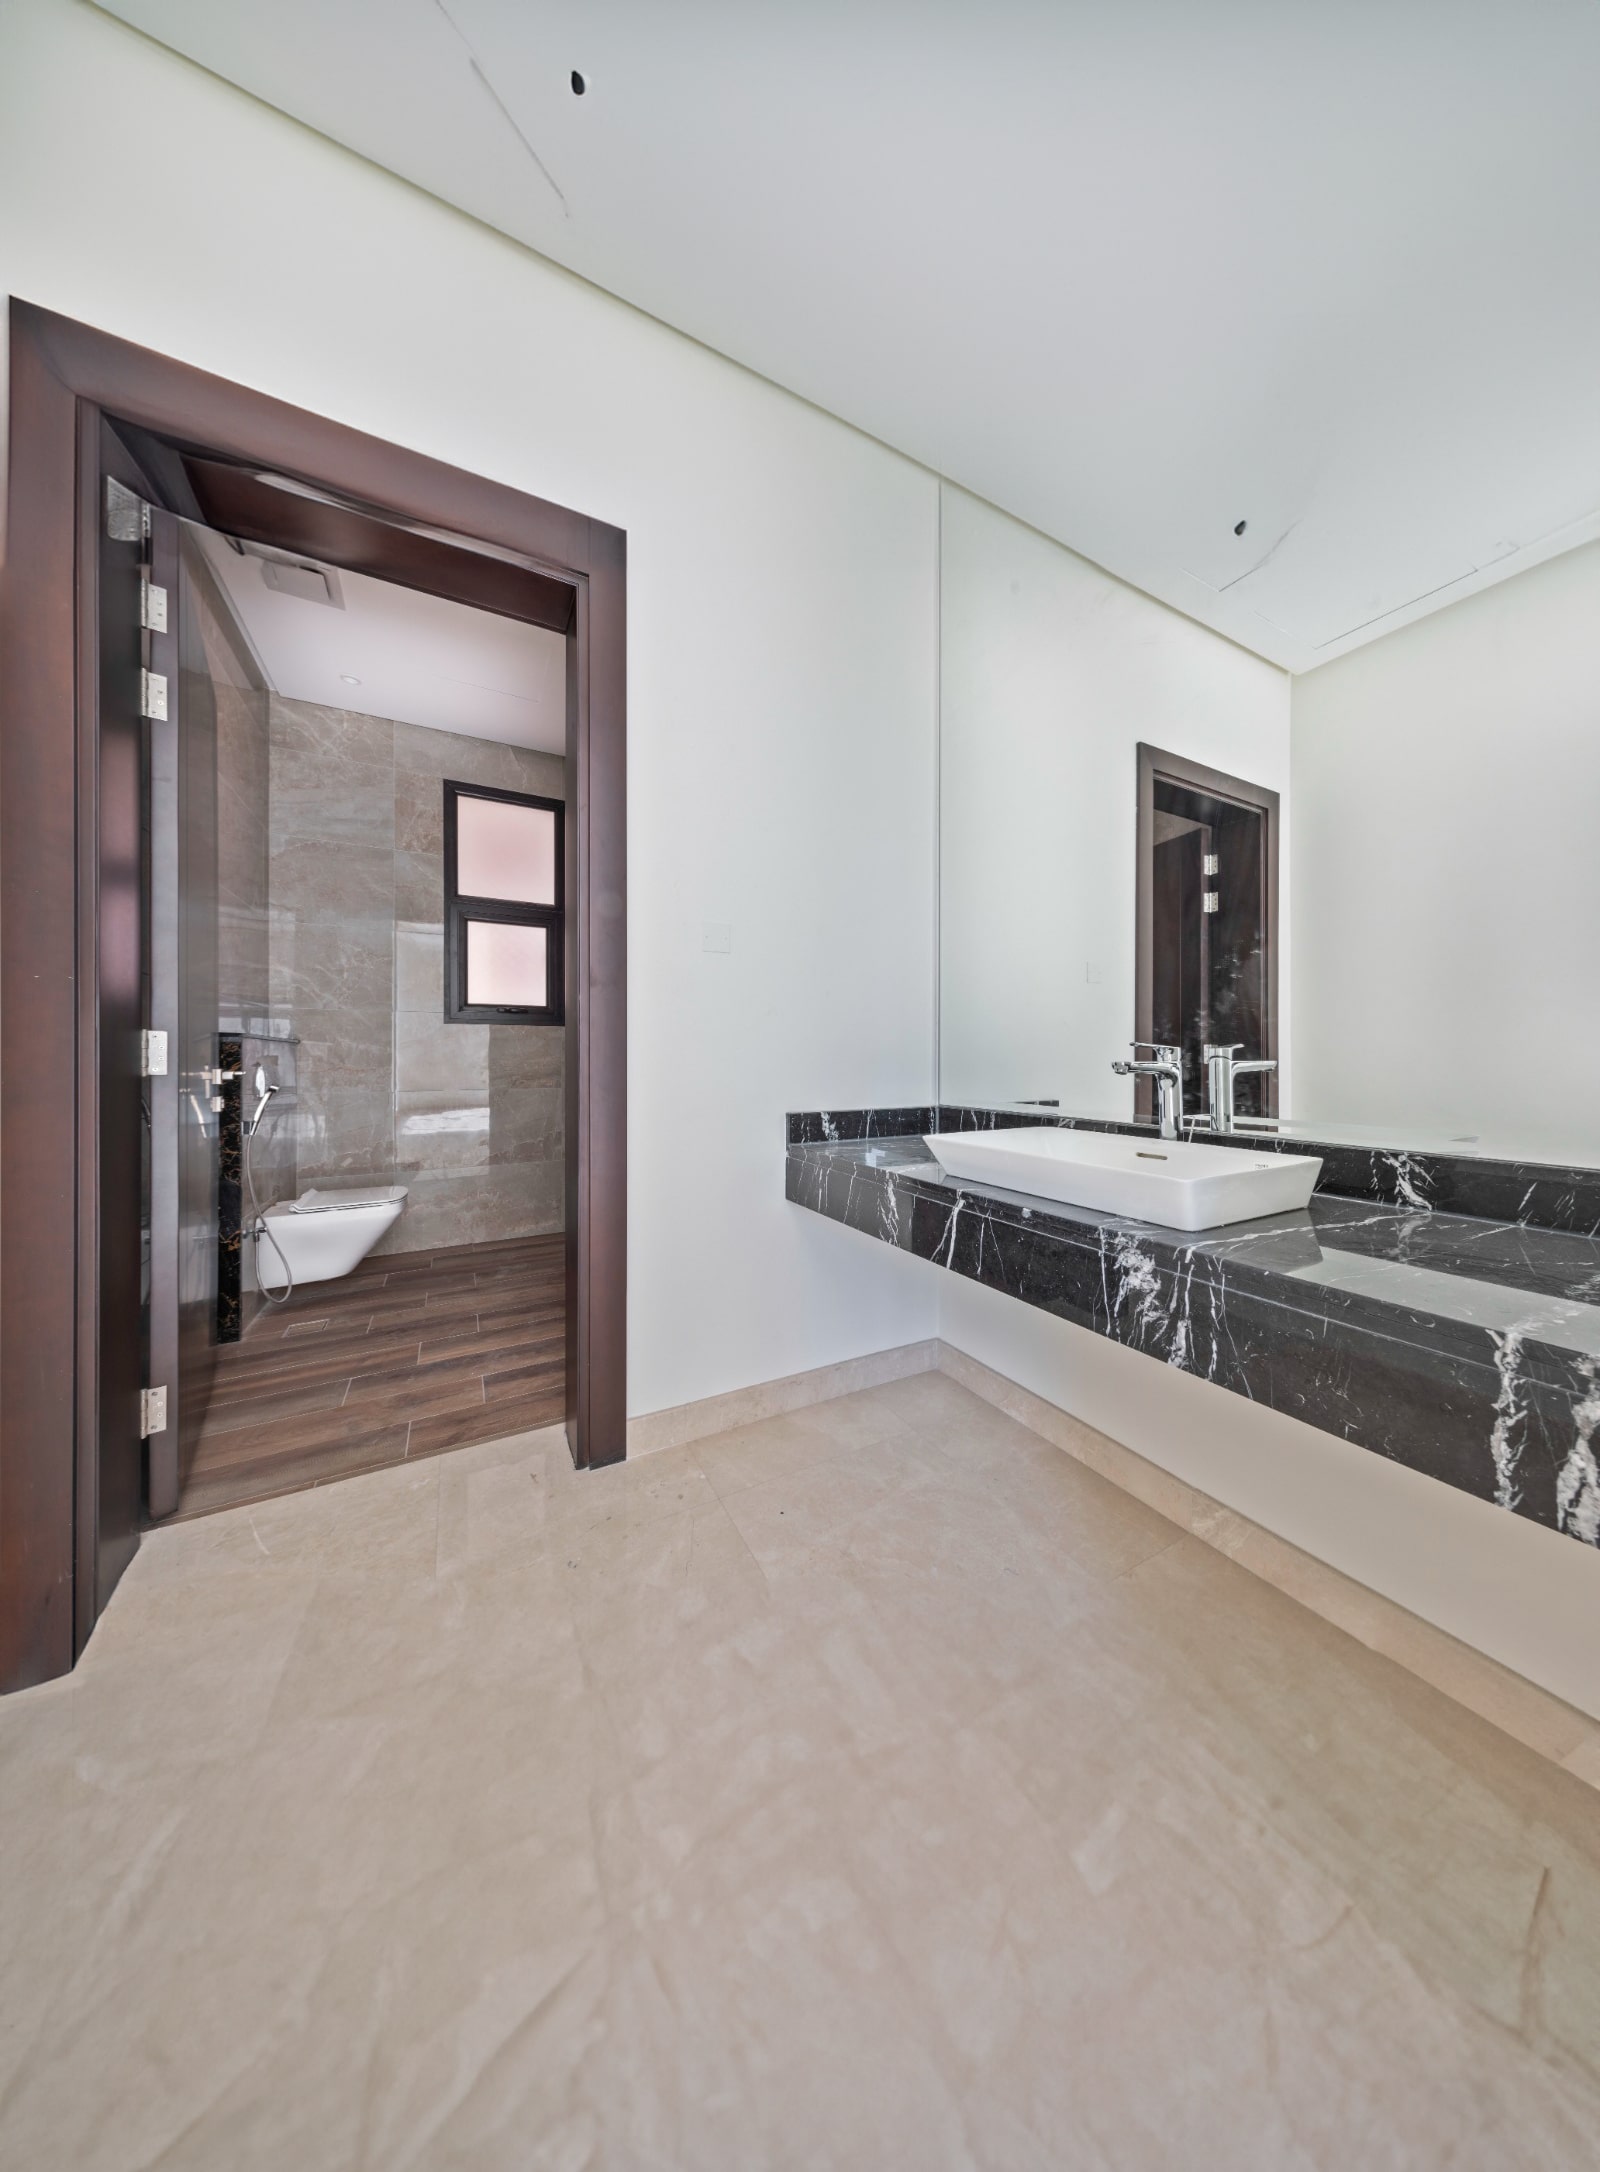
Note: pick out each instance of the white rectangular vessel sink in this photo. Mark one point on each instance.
(1173, 1181)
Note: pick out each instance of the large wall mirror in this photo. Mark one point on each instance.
(1378, 874)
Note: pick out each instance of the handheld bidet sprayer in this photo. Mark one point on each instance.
(266, 1093)
(260, 1229)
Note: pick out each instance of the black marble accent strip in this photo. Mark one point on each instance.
(1465, 1349)
(818, 1126)
(1534, 1195)
(230, 1214)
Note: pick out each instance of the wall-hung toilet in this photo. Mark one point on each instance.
(324, 1234)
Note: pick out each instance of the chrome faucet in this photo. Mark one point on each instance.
(1167, 1072)
(1221, 1071)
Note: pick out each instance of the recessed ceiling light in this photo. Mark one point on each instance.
(348, 680)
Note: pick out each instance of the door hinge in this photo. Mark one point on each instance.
(1209, 865)
(153, 696)
(152, 605)
(152, 1411)
(1208, 903)
(152, 1054)
(127, 515)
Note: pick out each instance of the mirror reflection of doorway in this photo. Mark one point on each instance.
(1207, 923)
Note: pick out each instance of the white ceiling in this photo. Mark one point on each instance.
(1134, 270)
(395, 652)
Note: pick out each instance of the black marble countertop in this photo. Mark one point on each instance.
(1540, 1194)
(1465, 1347)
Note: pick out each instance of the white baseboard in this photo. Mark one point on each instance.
(772, 1398)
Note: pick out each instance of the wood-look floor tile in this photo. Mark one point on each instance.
(520, 1277)
(378, 1401)
(416, 1380)
(515, 1303)
(456, 1305)
(518, 1381)
(433, 1281)
(296, 1362)
(390, 1312)
(290, 1436)
(430, 1436)
(227, 1413)
(232, 1485)
(400, 1357)
(481, 1343)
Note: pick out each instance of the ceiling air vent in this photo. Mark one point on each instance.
(310, 583)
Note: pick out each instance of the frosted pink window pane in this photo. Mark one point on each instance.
(507, 964)
(505, 851)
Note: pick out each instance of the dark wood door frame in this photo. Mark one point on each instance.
(65, 377)
(1155, 765)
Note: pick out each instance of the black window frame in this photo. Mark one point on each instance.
(460, 907)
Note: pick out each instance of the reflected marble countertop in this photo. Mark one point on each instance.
(1464, 1347)
(1334, 1131)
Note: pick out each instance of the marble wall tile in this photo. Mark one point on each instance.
(526, 1056)
(243, 818)
(420, 753)
(442, 1132)
(330, 876)
(527, 1123)
(243, 968)
(242, 848)
(469, 1117)
(419, 885)
(346, 1046)
(333, 961)
(447, 1207)
(345, 1132)
(243, 770)
(419, 967)
(419, 814)
(332, 775)
(431, 1057)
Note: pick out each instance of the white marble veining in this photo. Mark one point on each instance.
(872, 1785)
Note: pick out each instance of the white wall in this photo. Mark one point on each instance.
(782, 658)
(1053, 672)
(1446, 787)
(1527, 1596)
(782, 631)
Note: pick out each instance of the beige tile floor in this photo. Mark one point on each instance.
(870, 1788)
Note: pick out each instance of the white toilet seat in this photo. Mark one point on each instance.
(326, 1234)
(316, 1201)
